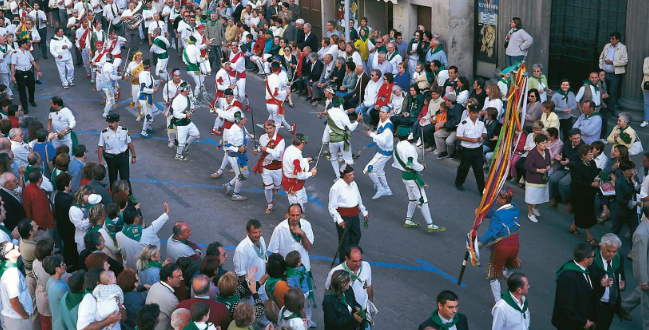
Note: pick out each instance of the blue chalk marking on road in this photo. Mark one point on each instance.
(425, 266)
(207, 186)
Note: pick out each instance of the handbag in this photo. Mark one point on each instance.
(636, 147)
(645, 85)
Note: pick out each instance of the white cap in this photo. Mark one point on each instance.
(94, 199)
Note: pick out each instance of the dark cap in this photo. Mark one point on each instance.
(229, 92)
(474, 108)
(275, 65)
(113, 117)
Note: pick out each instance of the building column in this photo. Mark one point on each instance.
(637, 45)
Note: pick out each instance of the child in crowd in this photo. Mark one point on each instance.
(109, 297)
(114, 221)
(200, 313)
(297, 277)
(13, 110)
(290, 314)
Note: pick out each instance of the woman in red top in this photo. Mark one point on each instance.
(383, 97)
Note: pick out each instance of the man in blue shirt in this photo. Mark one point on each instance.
(45, 149)
(76, 166)
(56, 288)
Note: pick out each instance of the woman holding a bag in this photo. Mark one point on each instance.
(623, 134)
(537, 165)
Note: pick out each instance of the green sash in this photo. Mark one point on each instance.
(571, 265)
(507, 297)
(615, 263)
(133, 232)
(438, 321)
(191, 67)
(73, 299)
(228, 302)
(162, 45)
(409, 173)
(337, 134)
(6, 265)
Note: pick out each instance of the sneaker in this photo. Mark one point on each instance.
(226, 188)
(387, 192)
(131, 105)
(419, 142)
(433, 228)
(66, 86)
(378, 194)
(181, 158)
(410, 136)
(171, 145)
(71, 83)
(644, 124)
(532, 218)
(139, 117)
(536, 212)
(39, 82)
(237, 197)
(293, 128)
(144, 135)
(312, 324)
(269, 209)
(411, 224)
(459, 188)
(442, 155)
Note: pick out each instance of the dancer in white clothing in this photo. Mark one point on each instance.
(192, 58)
(340, 133)
(271, 146)
(60, 48)
(148, 86)
(223, 82)
(238, 60)
(186, 131)
(232, 106)
(276, 93)
(384, 140)
(295, 171)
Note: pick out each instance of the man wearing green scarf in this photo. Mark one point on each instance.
(135, 235)
(589, 122)
(574, 299)
(436, 53)
(511, 311)
(17, 306)
(446, 317)
(215, 33)
(608, 270)
(589, 91)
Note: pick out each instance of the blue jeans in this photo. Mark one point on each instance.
(613, 82)
(511, 60)
(645, 96)
(365, 111)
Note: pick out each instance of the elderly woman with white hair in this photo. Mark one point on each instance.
(539, 82)
(20, 149)
(623, 134)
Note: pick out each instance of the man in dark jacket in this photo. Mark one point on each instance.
(305, 71)
(446, 132)
(352, 99)
(574, 299)
(560, 180)
(299, 36)
(446, 313)
(607, 272)
(12, 200)
(310, 39)
(236, 12)
(98, 174)
(316, 71)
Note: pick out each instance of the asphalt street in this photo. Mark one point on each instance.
(409, 266)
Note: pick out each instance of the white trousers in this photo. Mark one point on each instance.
(241, 90)
(63, 66)
(187, 134)
(298, 197)
(199, 81)
(412, 66)
(67, 140)
(110, 100)
(377, 171)
(218, 122)
(206, 68)
(273, 114)
(414, 194)
(171, 132)
(272, 179)
(85, 57)
(161, 69)
(147, 114)
(334, 147)
(135, 95)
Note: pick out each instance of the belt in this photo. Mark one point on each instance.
(125, 151)
(28, 70)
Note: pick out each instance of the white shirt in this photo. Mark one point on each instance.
(346, 195)
(291, 155)
(87, 313)
(22, 60)
(97, 6)
(470, 129)
(158, 24)
(81, 224)
(276, 87)
(596, 95)
(395, 61)
(56, 48)
(275, 153)
(79, 34)
(111, 12)
(12, 285)
(505, 317)
(193, 55)
(364, 275)
(605, 296)
(406, 151)
(130, 249)
(295, 323)
(62, 119)
(21, 151)
(146, 14)
(114, 142)
(372, 92)
(177, 249)
(282, 241)
(245, 256)
(67, 3)
(39, 17)
(384, 140)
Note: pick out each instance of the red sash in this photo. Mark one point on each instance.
(273, 100)
(100, 55)
(204, 51)
(228, 123)
(234, 72)
(293, 185)
(275, 164)
(349, 212)
(82, 40)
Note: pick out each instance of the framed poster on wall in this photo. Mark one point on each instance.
(486, 48)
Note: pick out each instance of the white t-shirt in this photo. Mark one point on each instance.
(282, 241)
(12, 285)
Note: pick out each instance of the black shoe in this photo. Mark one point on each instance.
(33, 104)
(39, 82)
(459, 188)
(45, 57)
(453, 156)
(442, 155)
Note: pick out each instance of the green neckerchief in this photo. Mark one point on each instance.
(93, 229)
(4, 49)
(438, 320)
(296, 237)
(593, 114)
(73, 299)
(212, 23)
(84, 209)
(571, 265)
(152, 264)
(624, 136)
(304, 275)
(391, 57)
(53, 37)
(382, 49)
(181, 241)
(228, 302)
(587, 82)
(508, 82)
(133, 232)
(507, 297)
(430, 77)
(561, 92)
(354, 276)
(436, 50)
(191, 326)
(297, 315)
(270, 286)
(516, 30)
(615, 263)
(3, 228)
(6, 265)
(367, 34)
(113, 228)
